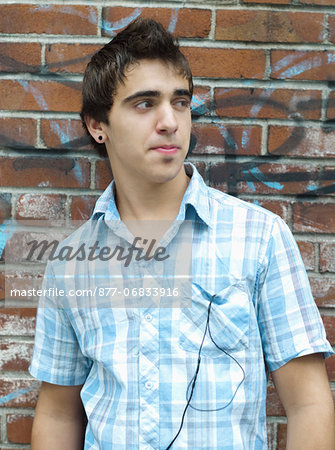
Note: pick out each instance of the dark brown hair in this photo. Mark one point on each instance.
(142, 39)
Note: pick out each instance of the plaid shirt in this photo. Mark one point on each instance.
(136, 364)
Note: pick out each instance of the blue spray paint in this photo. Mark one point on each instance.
(250, 184)
(174, 20)
(67, 10)
(64, 136)
(41, 7)
(7, 229)
(312, 188)
(228, 137)
(302, 67)
(77, 171)
(199, 104)
(284, 62)
(261, 100)
(93, 15)
(15, 394)
(113, 28)
(245, 137)
(29, 88)
(255, 171)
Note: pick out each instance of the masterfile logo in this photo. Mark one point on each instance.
(98, 264)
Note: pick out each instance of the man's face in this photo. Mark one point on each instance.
(149, 124)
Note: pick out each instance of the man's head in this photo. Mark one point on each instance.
(142, 39)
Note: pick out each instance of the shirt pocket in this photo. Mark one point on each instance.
(228, 321)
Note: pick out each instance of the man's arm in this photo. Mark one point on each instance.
(60, 419)
(303, 387)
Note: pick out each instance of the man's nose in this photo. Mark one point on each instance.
(166, 120)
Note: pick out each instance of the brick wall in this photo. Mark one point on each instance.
(264, 130)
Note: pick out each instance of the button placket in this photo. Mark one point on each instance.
(148, 379)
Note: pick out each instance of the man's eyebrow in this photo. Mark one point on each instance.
(182, 93)
(141, 94)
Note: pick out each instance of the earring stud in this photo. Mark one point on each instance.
(100, 138)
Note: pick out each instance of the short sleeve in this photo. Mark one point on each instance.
(288, 318)
(57, 357)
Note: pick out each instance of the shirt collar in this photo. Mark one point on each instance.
(196, 195)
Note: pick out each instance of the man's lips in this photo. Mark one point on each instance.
(168, 149)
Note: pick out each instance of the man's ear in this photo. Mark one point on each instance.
(96, 130)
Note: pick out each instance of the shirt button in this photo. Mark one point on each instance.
(148, 385)
(148, 317)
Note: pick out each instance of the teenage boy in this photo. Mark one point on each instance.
(158, 378)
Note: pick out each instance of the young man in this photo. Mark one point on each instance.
(193, 377)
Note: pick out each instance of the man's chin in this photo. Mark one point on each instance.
(165, 176)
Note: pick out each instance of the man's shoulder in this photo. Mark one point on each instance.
(226, 203)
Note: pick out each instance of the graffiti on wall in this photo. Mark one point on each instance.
(250, 171)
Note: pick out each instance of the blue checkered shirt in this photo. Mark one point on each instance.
(136, 364)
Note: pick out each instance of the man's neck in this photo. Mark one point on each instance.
(150, 201)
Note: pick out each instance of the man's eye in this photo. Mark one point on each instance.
(143, 105)
(183, 103)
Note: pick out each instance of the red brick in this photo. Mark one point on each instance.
(82, 207)
(19, 428)
(331, 22)
(69, 58)
(301, 141)
(47, 172)
(327, 181)
(268, 103)
(331, 106)
(330, 365)
(327, 257)
(183, 22)
(264, 178)
(274, 406)
(314, 217)
(17, 321)
(269, 26)
(17, 392)
(323, 290)
(227, 139)
(18, 133)
(280, 208)
(41, 206)
(103, 174)
(302, 65)
(201, 168)
(49, 19)
(2, 287)
(17, 57)
(225, 63)
(40, 95)
(329, 323)
(271, 433)
(15, 356)
(5, 207)
(281, 436)
(307, 253)
(65, 133)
